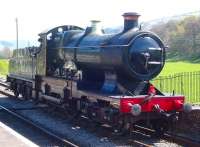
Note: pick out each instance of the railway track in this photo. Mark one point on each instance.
(27, 121)
(38, 127)
(171, 137)
(134, 142)
(5, 87)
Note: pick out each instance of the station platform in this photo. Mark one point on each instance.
(10, 138)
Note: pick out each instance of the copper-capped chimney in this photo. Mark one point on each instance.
(130, 20)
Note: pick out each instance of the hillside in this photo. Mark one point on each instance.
(172, 68)
(182, 37)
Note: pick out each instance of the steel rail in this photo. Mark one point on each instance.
(181, 140)
(140, 144)
(172, 137)
(3, 84)
(11, 111)
(4, 92)
(60, 139)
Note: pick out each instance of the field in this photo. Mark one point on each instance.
(172, 68)
(3, 67)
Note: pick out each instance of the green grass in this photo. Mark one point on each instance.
(172, 68)
(3, 67)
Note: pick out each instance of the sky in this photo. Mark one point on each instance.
(34, 16)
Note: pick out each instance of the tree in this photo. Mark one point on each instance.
(182, 36)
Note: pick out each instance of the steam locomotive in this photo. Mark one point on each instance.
(104, 77)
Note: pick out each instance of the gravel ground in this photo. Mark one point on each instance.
(189, 124)
(56, 124)
(65, 129)
(26, 130)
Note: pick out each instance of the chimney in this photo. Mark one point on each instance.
(95, 27)
(130, 20)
